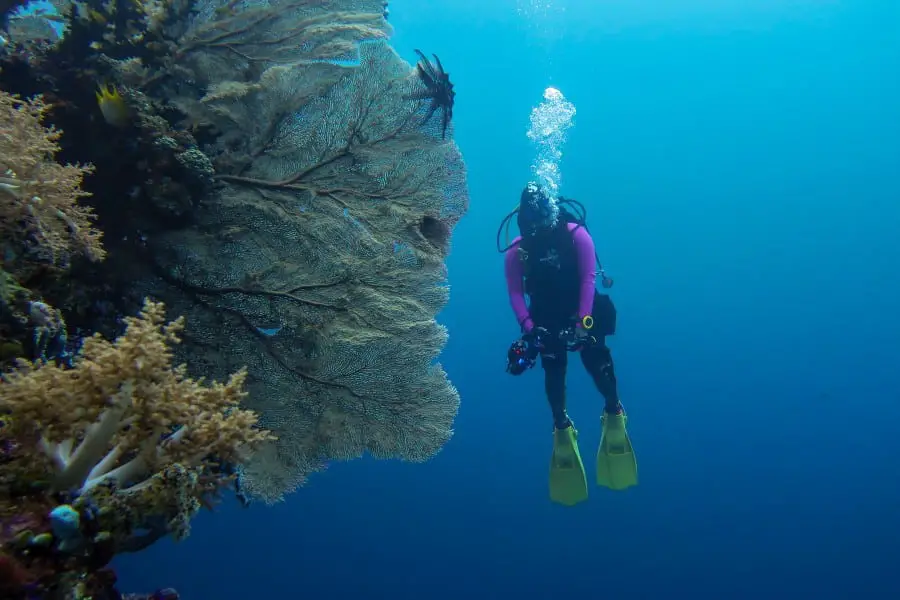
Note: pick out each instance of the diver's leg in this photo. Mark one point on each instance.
(598, 362)
(616, 463)
(568, 481)
(553, 360)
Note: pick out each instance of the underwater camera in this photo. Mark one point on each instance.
(520, 357)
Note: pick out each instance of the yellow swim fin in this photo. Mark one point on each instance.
(616, 465)
(568, 482)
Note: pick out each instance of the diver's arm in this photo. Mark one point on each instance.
(587, 275)
(515, 288)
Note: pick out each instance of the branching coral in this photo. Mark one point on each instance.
(123, 413)
(38, 196)
(110, 455)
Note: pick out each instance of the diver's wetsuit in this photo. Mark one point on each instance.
(556, 269)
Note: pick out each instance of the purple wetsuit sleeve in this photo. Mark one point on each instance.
(515, 286)
(587, 274)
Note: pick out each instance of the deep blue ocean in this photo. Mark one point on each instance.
(740, 162)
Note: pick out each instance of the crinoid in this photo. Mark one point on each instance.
(438, 89)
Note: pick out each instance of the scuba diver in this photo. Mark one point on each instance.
(552, 262)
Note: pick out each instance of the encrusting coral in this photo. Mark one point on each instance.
(113, 453)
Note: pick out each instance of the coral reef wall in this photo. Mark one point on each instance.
(319, 261)
(271, 171)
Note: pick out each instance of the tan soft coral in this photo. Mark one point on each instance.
(38, 196)
(123, 413)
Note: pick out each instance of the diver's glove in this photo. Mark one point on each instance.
(536, 337)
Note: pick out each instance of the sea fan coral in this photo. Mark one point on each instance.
(337, 231)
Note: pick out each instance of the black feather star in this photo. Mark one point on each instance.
(438, 89)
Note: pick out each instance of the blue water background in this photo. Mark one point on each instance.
(741, 166)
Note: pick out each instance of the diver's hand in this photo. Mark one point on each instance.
(539, 334)
(535, 333)
(536, 337)
(579, 338)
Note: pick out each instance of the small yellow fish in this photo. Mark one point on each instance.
(114, 108)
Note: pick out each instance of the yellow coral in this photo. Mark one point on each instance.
(124, 413)
(37, 191)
